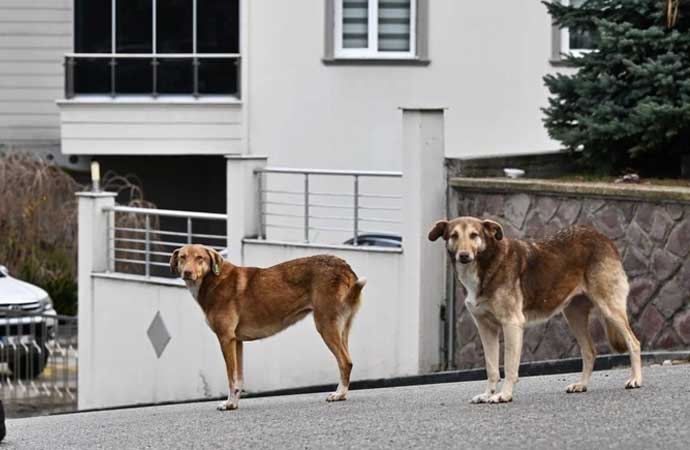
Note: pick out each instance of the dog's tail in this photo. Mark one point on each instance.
(355, 291)
(615, 338)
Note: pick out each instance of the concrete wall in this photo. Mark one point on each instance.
(650, 226)
(119, 366)
(34, 35)
(487, 62)
(397, 331)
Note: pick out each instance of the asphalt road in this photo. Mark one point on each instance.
(542, 416)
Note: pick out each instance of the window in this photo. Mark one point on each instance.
(155, 47)
(380, 29)
(576, 41)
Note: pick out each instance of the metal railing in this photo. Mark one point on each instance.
(38, 362)
(310, 209)
(203, 70)
(141, 240)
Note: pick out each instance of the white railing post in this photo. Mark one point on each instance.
(424, 200)
(355, 211)
(306, 208)
(93, 244)
(243, 200)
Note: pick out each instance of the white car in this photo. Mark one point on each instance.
(27, 323)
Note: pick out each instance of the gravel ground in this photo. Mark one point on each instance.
(542, 416)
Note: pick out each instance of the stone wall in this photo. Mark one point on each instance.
(650, 226)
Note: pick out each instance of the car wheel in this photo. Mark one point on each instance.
(29, 364)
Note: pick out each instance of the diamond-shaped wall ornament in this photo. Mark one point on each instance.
(158, 334)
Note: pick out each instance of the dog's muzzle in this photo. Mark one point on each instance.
(464, 257)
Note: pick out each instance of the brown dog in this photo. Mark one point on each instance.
(248, 303)
(511, 284)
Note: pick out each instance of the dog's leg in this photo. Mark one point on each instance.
(618, 318)
(488, 332)
(512, 334)
(608, 290)
(240, 365)
(229, 346)
(577, 316)
(332, 334)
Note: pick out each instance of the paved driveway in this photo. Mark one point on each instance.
(433, 416)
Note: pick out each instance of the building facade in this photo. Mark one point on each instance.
(158, 87)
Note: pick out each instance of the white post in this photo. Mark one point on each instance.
(242, 202)
(92, 247)
(424, 200)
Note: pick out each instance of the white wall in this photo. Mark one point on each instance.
(130, 126)
(123, 368)
(34, 35)
(487, 63)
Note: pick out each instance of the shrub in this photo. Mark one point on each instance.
(38, 223)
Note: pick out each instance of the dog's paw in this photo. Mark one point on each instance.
(633, 383)
(481, 398)
(576, 388)
(500, 398)
(336, 397)
(227, 406)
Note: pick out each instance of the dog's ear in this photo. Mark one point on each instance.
(438, 230)
(216, 261)
(173, 262)
(494, 228)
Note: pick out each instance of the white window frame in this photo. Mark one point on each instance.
(565, 40)
(372, 50)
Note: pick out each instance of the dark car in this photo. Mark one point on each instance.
(377, 240)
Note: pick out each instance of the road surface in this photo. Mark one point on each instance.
(542, 416)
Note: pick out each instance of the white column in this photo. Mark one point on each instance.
(93, 245)
(424, 200)
(242, 202)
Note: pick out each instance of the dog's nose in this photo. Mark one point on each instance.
(187, 274)
(464, 257)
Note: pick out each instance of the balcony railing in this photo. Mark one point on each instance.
(329, 206)
(141, 240)
(152, 74)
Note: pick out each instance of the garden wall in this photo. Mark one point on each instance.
(650, 226)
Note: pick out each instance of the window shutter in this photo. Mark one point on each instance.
(394, 25)
(355, 24)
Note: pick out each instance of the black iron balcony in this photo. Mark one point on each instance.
(152, 74)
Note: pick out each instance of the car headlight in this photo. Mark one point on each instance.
(46, 303)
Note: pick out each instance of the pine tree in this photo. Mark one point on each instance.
(628, 103)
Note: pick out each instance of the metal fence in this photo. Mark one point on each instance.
(157, 74)
(38, 362)
(330, 206)
(141, 240)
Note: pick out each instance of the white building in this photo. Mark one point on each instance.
(308, 83)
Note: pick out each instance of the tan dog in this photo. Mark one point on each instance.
(512, 283)
(248, 303)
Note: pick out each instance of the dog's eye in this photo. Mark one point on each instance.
(454, 235)
(474, 235)
(199, 259)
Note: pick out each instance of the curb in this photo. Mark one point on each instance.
(529, 369)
